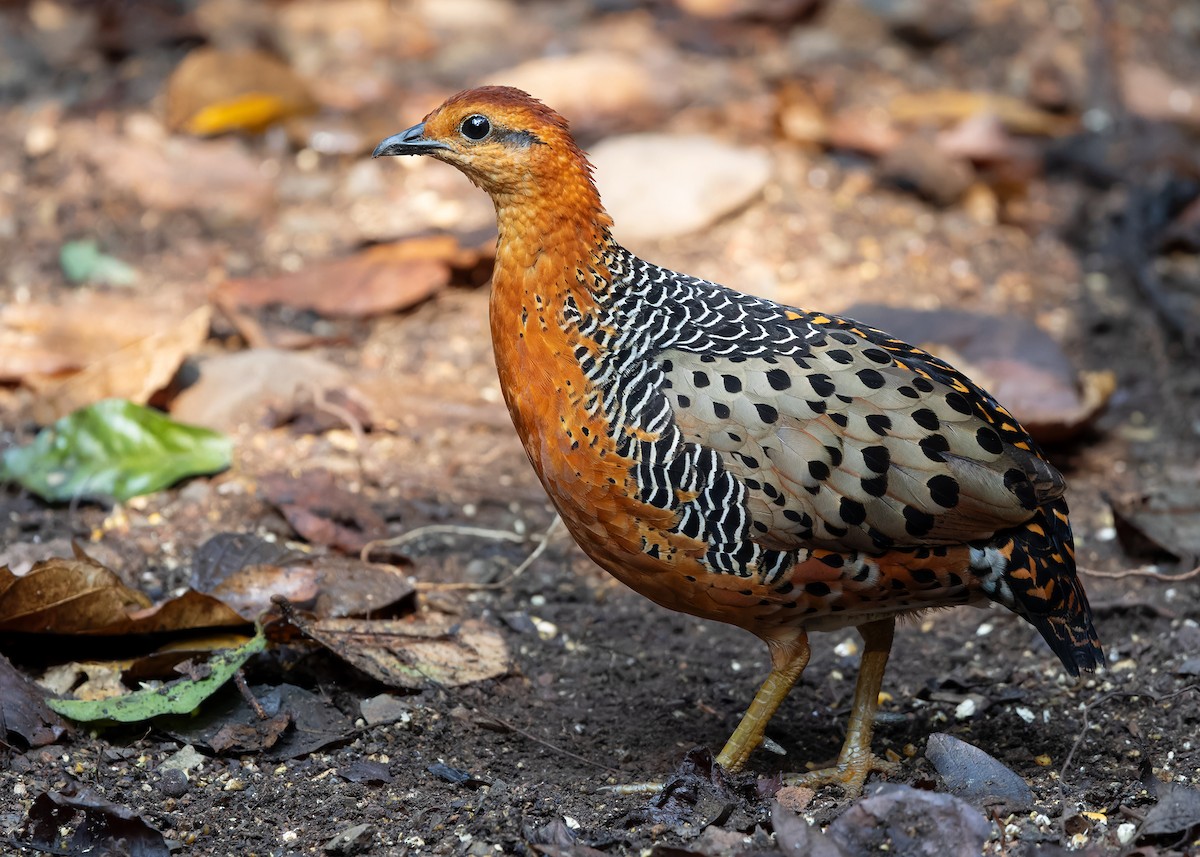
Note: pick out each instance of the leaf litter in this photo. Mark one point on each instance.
(181, 697)
(135, 165)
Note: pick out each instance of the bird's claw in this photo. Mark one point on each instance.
(850, 776)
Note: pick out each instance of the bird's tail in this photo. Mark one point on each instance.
(1031, 570)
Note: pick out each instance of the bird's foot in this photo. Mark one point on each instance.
(849, 775)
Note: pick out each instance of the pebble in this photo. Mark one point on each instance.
(352, 840)
(973, 775)
(173, 783)
(385, 708)
(795, 798)
(184, 760)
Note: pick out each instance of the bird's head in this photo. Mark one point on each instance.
(507, 142)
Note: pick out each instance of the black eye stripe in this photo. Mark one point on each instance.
(476, 127)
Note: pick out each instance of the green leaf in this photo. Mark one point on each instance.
(83, 262)
(115, 449)
(180, 697)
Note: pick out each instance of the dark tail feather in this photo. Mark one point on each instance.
(1072, 638)
(1031, 570)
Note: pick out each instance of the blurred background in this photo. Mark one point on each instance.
(190, 220)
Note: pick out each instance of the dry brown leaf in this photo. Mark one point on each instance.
(44, 340)
(101, 679)
(349, 587)
(382, 279)
(416, 652)
(213, 91)
(23, 710)
(249, 590)
(243, 388)
(953, 105)
(80, 596)
(329, 587)
(134, 372)
(190, 610)
(65, 596)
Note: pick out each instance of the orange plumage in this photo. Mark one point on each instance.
(729, 457)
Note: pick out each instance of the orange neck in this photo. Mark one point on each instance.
(553, 230)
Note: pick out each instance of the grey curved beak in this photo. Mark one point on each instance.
(409, 142)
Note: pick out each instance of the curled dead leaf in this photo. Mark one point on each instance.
(415, 652)
(65, 596)
(134, 372)
(80, 596)
(42, 342)
(327, 586)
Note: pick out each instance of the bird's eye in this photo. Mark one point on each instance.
(476, 127)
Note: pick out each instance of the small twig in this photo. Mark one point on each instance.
(1142, 572)
(544, 541)
(438, 529)
(472, 532)
(322, 404)
(549, 745)
(246, 327)
(240, 681)
(1086, 708)
(534, 554)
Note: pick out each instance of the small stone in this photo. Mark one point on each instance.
(846, 649)
(975, 776)
(184, 760)
(795, 798)
(173, 782)
(597, 89)
(40, 140)
(352, 840)
(1126, 832)
(385, 708)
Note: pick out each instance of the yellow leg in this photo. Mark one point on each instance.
(788, 660)
(856, 761)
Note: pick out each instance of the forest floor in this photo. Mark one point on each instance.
(1075, 219)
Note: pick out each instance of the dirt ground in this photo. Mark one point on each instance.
(606, 688)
